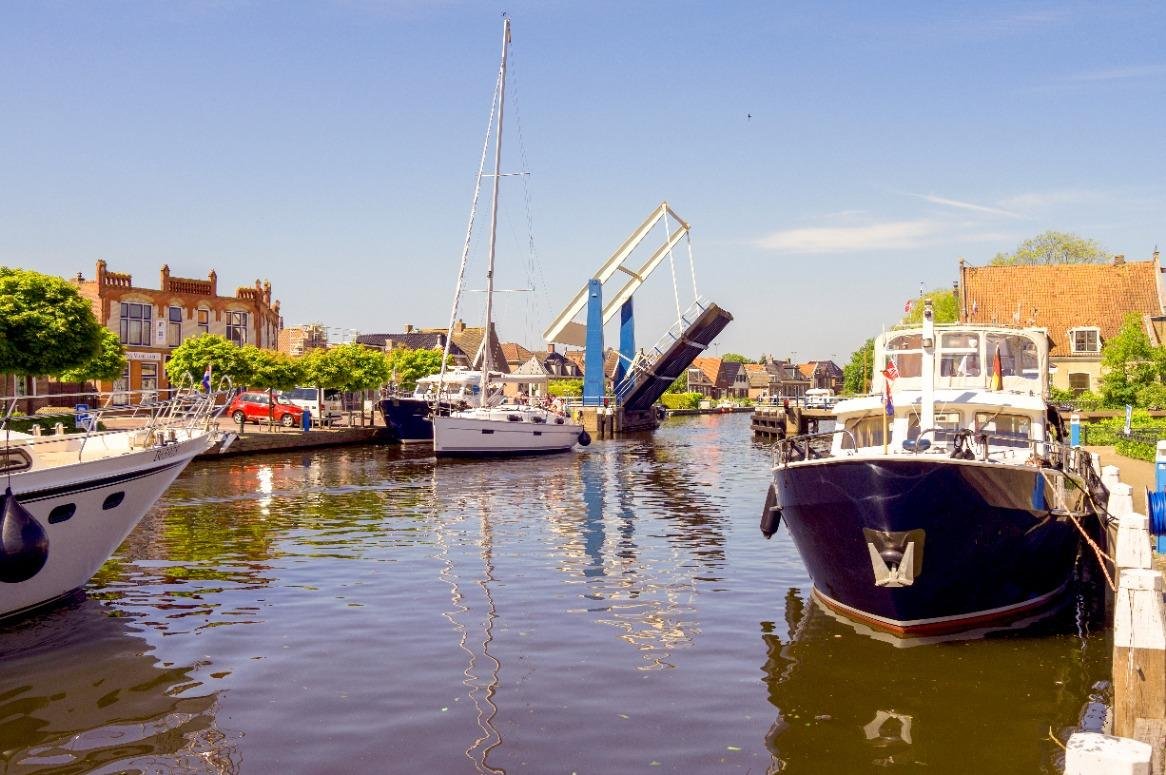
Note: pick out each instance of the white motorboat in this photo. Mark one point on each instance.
(71, 498)
(505, 429)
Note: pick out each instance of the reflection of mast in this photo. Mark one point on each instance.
(480, 693)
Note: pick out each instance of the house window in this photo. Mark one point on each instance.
(1085, 340)
(202, 321)
(174, 326)
(135, 323)
(237, 327)
(1078, 383)
(149, 381)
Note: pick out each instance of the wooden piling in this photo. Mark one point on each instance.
(1139, 650)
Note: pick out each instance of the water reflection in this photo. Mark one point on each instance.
(862, 703)
(80, 691)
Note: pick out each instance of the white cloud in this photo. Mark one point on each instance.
(1036, 200)
(941, 200)
(894, 235)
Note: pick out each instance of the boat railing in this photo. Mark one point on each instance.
(808, 446)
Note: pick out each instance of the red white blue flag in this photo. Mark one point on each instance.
(890, 374)
(206, 379)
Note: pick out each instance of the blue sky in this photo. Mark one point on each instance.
(331, 148)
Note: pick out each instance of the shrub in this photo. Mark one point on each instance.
(681, 400)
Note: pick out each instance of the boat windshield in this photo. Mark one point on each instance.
(1004, 430)
(1018, 356)
(906, 352)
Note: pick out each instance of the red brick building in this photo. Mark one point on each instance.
(152, 322)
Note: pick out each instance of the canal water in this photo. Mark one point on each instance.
(611, 611)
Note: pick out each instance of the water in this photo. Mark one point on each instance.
(613, 611)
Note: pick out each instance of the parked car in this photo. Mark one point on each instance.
(325, 405)
(255, 407)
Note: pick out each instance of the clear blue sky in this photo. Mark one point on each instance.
(330, 147)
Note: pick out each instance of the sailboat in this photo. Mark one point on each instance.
(497, 428)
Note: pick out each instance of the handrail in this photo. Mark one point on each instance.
(786, 450)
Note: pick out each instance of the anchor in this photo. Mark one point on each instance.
(24, 545)
(896, 557)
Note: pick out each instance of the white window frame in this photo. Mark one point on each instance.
(1084, 329)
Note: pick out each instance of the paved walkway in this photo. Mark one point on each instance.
(1138, 474)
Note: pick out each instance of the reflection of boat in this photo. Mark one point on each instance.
(74, 497)
(79, 690)
(949, 503)
(502, 429)
(847, 703)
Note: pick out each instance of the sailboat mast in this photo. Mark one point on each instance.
(494, 213)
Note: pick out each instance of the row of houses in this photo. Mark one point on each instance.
(768, 379)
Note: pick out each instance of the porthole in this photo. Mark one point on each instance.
(113, 501)
(62, 513)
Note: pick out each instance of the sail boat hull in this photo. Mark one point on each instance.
(457, 434)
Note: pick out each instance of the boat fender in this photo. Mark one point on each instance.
(24, 545)
(584, 438)
(771, 514)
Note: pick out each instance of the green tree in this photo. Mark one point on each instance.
(273, 370)
(680, 384)
(856, 374)
(406, 366)
(565, 388)
(1129, 363)
(189, 360)
(347, 367)
(109, 363)
(735, 358)
(944, 305)
(1054, 247)
(46, 327)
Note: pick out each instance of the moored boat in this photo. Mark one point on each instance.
(70, 499)
(947, 500)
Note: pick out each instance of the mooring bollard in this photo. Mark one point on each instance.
(1133, 542)
(1091, 753)
(1074, 430)
(1110, 475)
(1139, 649)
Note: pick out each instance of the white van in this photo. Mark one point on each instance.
(820, 398)
(325, 405)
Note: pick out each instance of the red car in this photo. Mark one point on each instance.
(255, 407)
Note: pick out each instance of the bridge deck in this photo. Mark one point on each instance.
(666, 363)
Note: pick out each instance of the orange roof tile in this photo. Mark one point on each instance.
(1060, 296)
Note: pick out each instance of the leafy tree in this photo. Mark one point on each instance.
(1129, 363)
(1054, 247)
(347, 367)
(1152, 396)
(189, 360)
(109, 363)
(680, 384)
(406, 366)
(735, 358)
(566, 388)
(856, 374)
(272, 370)
(944, 305)
(46, 327)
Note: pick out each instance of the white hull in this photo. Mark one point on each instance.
(463, 433)
(82, 538)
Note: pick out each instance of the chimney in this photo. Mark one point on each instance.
(459, 327)
(165, 286)
(1119, 260)
(408, 328)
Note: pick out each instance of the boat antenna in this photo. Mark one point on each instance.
(494, 211)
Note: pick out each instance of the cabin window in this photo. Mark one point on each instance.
(1017, 355)
(960, 355)
(867, 431)
(1004, 430)
(906, 351)
(1079, 383)
(1085, 340)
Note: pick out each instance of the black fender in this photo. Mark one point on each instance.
(770, 514)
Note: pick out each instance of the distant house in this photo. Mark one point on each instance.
(466, 344)
(1081, 306)
(610, 359)
(786, 380)
(758, 378)
(717, 378)
(822, 374)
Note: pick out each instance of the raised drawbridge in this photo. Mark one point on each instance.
(643, 375)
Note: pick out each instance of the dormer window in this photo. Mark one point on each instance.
(1085, 340)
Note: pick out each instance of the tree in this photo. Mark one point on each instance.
(109, 363)
(46, 327)
(1129, 363)
(735, 358)
(347, 367)
(189, 361)
(944, 305)
(565, 388)
(857, 373)
(272, 370)
(406, 366)
(1054, 247)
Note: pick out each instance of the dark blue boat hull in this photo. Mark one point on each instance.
(987, 547)
(408, 418)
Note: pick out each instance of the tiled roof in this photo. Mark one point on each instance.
(516, 353)
(708, 366)
(413, 340)
(1061, 296)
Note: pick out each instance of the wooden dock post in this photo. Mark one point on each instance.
(1091, 753)
(1139, 650)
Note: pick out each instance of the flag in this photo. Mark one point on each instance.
(206, 379)
(997, 372)
(890, 374)
(907, 306)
